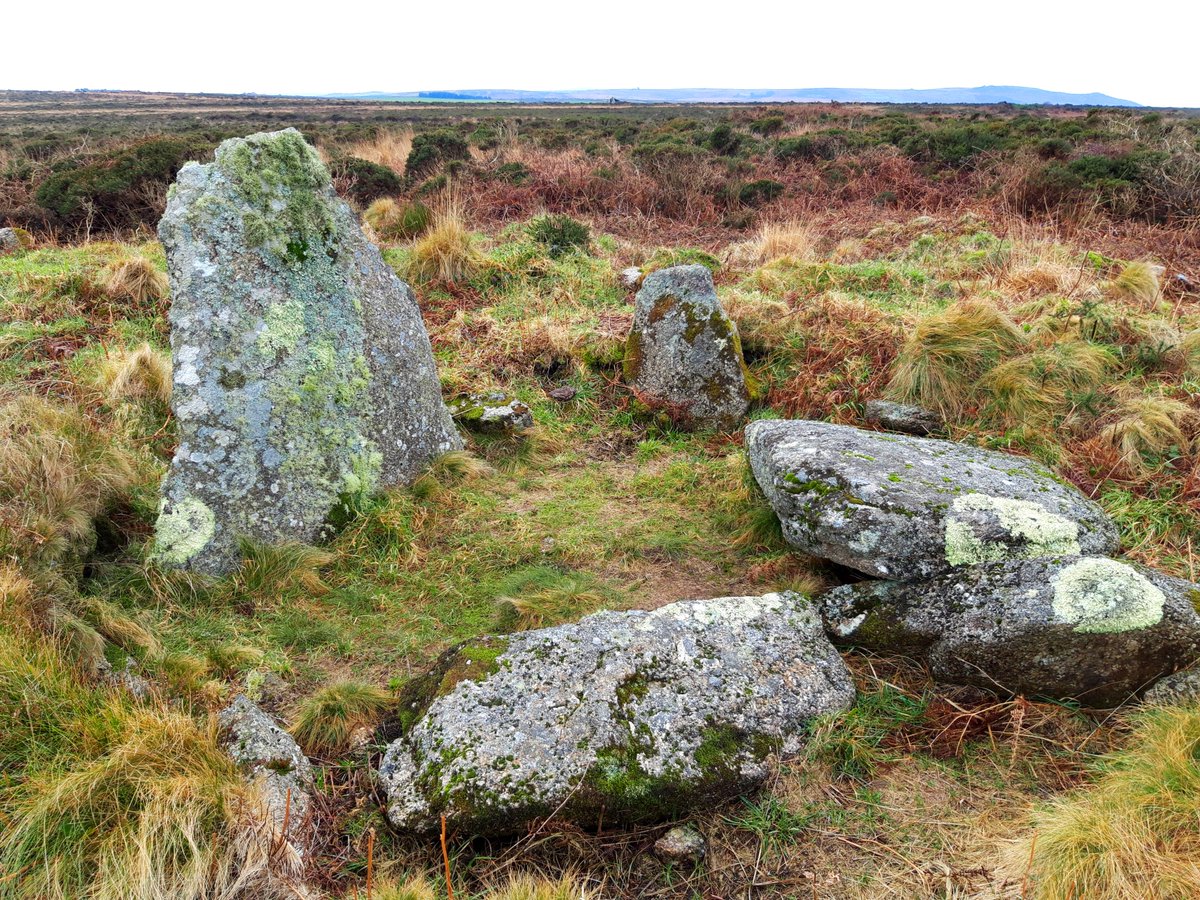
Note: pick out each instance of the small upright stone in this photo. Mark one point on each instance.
(683, 351)
(903, 418)
(10, 241)
(303, 375)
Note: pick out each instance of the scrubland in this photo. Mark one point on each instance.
(1014, 269)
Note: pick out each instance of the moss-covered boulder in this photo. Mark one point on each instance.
(903, 507)
(1084, 628)
(303, 375)
(491, 413)
(683, 354)
(633, 716)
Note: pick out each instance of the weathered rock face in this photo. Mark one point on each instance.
(303, 376)
(641, 715)
(10, 241)
(1085, 628)
(273, 759)
(683, 351)
(491, 413)
(906, 507)
(901, 417)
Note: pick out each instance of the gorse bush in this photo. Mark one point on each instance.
(120, 189)
(365, 180)
(435, 148)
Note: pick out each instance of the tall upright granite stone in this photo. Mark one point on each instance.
(683, 351)
(304, 378)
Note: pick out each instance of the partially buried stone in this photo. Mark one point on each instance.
(1091, 629)
(303, 376)
(903, 418)
(636, 716)
(491, 413)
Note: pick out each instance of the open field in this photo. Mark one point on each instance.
(847, 243)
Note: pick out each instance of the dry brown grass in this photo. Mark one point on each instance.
(446, 253)
(387, 148)
(775, 240)
(136, 280)
(141, 374)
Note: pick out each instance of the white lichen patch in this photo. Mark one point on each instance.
(1035, 531)
(283, 326)
(1101, 596)
(184, 531)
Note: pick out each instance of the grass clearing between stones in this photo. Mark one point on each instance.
(1027, 340)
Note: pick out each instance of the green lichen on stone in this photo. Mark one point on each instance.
(282, 179)
(283, 326)
(183, 532)
(1036, 531)
(1103, 596)
(472, 660)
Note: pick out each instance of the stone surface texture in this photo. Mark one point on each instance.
(903, 418)
(903, 507)
(643, 715)
(491, 413)
(683, 352)
(303, 375)
(271, 758)
(1091, 629)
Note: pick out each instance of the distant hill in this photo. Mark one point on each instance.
(985, 94)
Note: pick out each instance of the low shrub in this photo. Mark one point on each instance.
(435, 148)
(559, 234)
(763, 190)
(364, 180)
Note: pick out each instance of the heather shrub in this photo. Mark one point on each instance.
(433, 149)
(365, 180)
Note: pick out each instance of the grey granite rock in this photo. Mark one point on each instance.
(903, 507)
(903, 418)
(635, 716)
(272, 758)
(491, 413)
(683, 352)
(1084, 628)
(681, 844)
(1182, 687)
(10, 241)
(303, 375)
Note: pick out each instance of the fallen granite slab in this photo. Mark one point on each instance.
(1091, 629)
(900, 507)
(629, 716)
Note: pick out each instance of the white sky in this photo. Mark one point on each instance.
(1145, 52)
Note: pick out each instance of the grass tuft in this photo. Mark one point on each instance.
(143, 374)
(136, 280)
(446, 253)
(326, 721)
(1133, 832)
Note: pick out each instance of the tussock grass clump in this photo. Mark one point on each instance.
(271, 571)
(393, 221)
(326, 721)
(539, 596)
(946, 354)
(453, 467)
(518, 887)
(1138, 284)
(58, 473)
(117, 800)
(1133, 832)
(446, 252)
(141, 374)
(387, 148)
(1148, 428)
(775, 240)
(1032, 388)
(137, 280)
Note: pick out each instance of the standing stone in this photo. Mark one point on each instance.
(630, 716)
(10, 241)
(1091, 629)
(683, 352)
(901, 507)
(303, 376)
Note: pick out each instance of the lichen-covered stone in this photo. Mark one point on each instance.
(636, 716)
(271, 758)
(10, 242)
(491, 413)
(683, 352)
(1182, 687)
(303, 375)
(1091, 629)
(901, 417)
(906, 507)
(681, 844)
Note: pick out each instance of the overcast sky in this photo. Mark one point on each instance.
(1145, 52)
